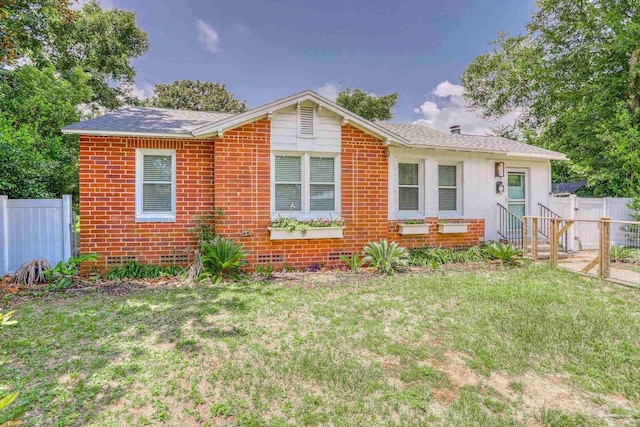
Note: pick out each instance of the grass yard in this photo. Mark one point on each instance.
(533, 346)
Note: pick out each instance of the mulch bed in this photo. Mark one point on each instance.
(13, 295)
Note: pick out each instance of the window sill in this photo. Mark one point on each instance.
(309, 233)
(158, 218)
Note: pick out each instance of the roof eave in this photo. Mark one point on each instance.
(94, 132)
(538, 156)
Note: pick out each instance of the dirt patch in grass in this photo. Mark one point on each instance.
(538, 392)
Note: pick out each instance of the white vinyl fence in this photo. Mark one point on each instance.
(32, 229)
(585, 235)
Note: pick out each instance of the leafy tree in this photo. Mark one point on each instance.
(25, 170)
(196, 95)
(26, 26)
(575, 77)
(99, 42)
(38, 97)
(102, 43)
(371, 107)
(35, 104)
(74, 60)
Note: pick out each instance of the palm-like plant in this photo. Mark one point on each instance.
(386, 257)
(506, 253)
(222, 258)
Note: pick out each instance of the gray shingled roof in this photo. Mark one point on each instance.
(149, 120)
(420, 135)
(159, 121)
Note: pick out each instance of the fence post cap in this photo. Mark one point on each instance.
(606, 218)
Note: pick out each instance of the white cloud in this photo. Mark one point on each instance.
(105, 4)
(329, 91)
(142, 91)
(208, 36)
(448, 108)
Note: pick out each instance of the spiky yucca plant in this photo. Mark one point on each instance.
(506, 253)
(386, 257)
(222, 258)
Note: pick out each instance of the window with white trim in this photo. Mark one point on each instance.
(408, 187)
(448, 188)
(155, 185)
(306, 184)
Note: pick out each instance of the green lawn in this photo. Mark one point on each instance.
(532, 346)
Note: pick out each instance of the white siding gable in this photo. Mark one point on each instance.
(323, 135)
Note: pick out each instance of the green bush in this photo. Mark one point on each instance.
(386, 257)
(222, 258)
(59, 277)
(265, 271)
(354, 262)
(504, 252)
(622, 254)
(136, 270)
(433, 257)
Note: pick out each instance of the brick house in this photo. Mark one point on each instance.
(147, 173)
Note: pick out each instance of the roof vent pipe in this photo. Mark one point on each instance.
(455, 129)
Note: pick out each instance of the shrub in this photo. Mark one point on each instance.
(265, 271)
(222, 258)
(136, 270)
(433, 257)
(354, 262)
(386, 257)
(507, 253)
(59, 277)
(622, 254)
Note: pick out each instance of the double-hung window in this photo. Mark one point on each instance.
(409, 187)
(155, 185)
(448, 188)
(306, 184)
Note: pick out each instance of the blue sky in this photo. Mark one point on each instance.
(264, 50)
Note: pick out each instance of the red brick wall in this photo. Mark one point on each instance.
(242, 191)
(240, 185)
(107, 197)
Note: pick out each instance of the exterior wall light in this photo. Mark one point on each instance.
(499, 169)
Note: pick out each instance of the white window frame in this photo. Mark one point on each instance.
(412, 214)
(306, 212)
(299, 122)
(459, 189)
(154, 216)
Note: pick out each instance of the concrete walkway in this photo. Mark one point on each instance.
(620, 272)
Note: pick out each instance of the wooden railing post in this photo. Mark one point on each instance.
(553, 242)
(605, 247)
(525, 236)
(534, 238)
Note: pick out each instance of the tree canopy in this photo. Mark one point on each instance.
(371, 107)
(196, 95)
(55, 63)
(574, 77)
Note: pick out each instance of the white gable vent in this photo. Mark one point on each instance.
(306, 121)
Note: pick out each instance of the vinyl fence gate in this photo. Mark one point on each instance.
(38, 228)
